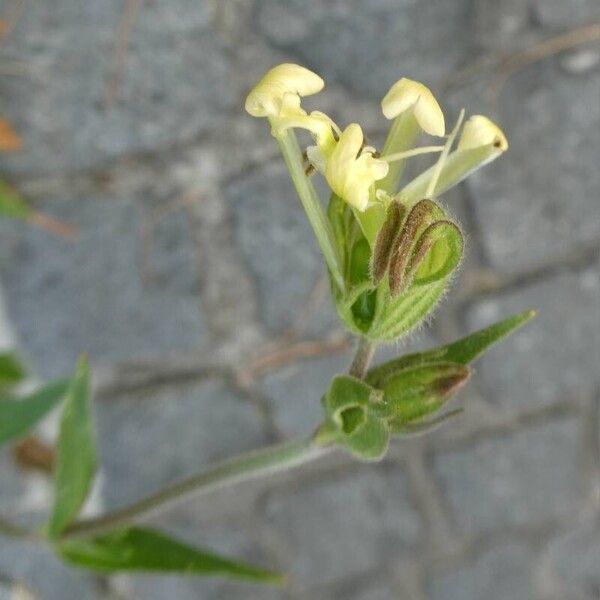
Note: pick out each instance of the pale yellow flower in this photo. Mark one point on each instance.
(351, 170)
(481, 131)
(405, 94)
(267, 96)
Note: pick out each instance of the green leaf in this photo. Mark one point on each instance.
(76, 454)
(18, 416)
(12, 370)
(463, 351)
(371, 440)
(11, 204)
(141, 549)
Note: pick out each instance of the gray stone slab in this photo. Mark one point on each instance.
(150, 438)
(295, 392)
(554, 356)
(344, 526)
(539, 201)
(558, 13)
(92, 294)
(41, 573)
(517, 480)
(276, 242)
(175, 81)
(367, 46)
(497, 573)
(568, 567)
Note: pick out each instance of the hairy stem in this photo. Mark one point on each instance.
(245, 467)
(242, 468)
(362, 358)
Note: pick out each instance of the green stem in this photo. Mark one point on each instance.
(311, 203)
(362, 358)
(265, 461)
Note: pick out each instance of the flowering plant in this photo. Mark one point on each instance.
(390, 248)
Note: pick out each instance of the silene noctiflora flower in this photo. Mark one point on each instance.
(391, 248)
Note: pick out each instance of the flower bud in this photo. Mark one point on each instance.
(414, 393)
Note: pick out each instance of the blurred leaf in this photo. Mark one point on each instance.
(141, 549)
(18, 416)
(11, 204)
(76, 454)
(12, 370)
(463, 351)
(9, 140)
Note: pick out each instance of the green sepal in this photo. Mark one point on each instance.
(412, 393)
(354, 418)
(463, 351)
(137, 549)
(399, 429)
(458, 166)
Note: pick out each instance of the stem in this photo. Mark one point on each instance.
(311, 203)
(242, 468)
(414, 152)
(245, 467)
(362, 358)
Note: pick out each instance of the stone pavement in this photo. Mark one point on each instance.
(197, 289)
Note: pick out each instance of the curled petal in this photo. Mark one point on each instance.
(352, 173)
(407, 93)
(481, 131)
(266, 98)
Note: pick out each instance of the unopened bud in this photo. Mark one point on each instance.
(412, 394)
(385, 240)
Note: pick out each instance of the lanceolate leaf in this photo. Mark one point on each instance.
(463, 351)
(11, 370)
(76, 454)
(141, 549)
(18, 416)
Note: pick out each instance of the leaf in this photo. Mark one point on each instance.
(76, 455)
(18, 416)
(142, 549)
(12, 370)
(463, 351)
(11, 204)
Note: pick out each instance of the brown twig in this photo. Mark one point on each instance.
(544, 49)
(287, 354)
(121, 48)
